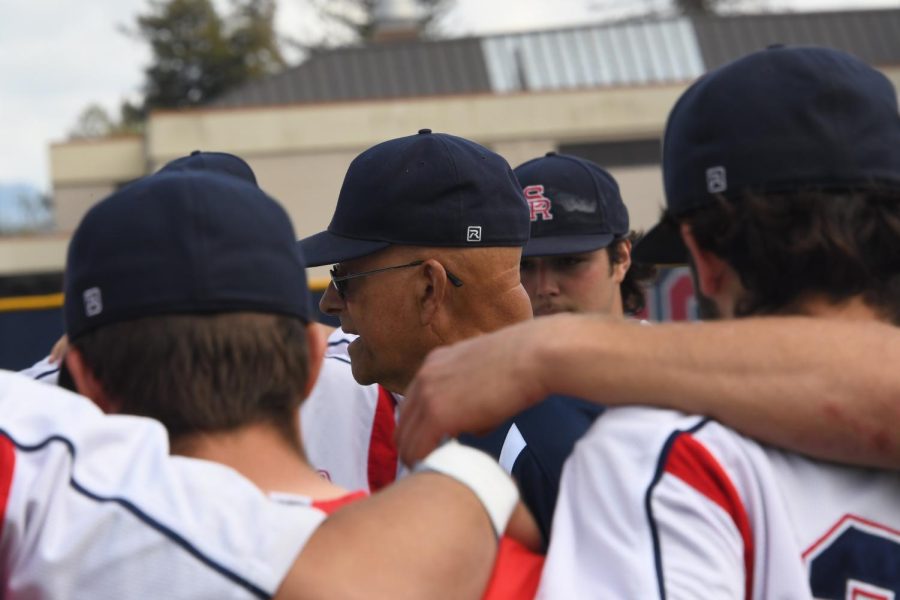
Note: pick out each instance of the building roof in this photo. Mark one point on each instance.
(643, 52)
(872, 35)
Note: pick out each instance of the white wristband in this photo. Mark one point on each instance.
(481, 474)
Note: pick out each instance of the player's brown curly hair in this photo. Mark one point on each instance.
(633, 286)
(203, 373)
(787, 247)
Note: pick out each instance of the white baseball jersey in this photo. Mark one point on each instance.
(658, 504)
(93, 506)
(348, 428)
(43, 370)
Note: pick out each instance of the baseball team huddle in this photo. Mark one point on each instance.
(490, 420)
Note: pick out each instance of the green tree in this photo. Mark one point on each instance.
(93, 122)
(349, 21)
(703, 7)
(641, 9)
(198, 54)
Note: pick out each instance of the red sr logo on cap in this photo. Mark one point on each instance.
(538, 202)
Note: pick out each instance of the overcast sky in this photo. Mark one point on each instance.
(58, 56)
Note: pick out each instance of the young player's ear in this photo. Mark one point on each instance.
(620, 268)
(86, 383)
(712, 271)
(316, 342)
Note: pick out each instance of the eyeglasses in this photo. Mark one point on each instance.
(341, 287)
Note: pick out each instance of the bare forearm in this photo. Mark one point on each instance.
(822, 387)
(424, 537)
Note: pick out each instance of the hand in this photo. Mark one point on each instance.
(523, 528)
(58, 352)
(471, 386)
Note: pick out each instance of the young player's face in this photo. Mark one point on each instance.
(378, 308)
(580, 283)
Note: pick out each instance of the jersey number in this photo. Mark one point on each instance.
(856, 560)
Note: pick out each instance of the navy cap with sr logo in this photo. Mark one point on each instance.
(777, 120)
(183, 242)
(428, 189)
(575, 206)
(221, 162)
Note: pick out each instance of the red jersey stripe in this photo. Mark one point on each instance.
(692, 463)
(516, 574)
(7, 468)
(382, 467)
(330, 506)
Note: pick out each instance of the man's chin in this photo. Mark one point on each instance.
(358, 363)
(361, 374)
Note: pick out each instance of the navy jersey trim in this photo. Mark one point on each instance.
(141, 516)
(339, 342)
(648, 499)
(40, 376)
(340, 358)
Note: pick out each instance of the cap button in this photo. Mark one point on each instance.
(195, 152)
(551, 153)
(424, 131)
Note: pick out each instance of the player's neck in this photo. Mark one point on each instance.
(617, 309)
(260, 453)
(853, 309)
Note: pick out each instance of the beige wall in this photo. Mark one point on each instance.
(70, 202)
(642, 192)
(32, 253)
(300, 152)
(517, 152)
(102, 161)
(616, 113)
(307, 185)
(84, 171)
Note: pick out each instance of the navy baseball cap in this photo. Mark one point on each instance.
(428, 189)
(212, 161)
(183, 242)
(777, 120)
(575, 206)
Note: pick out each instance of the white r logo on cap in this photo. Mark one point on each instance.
(93, 302)
(474, 233)
(716, 182)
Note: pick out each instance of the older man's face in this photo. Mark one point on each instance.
(380, 308)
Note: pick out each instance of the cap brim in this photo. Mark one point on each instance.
(566, 244)
(662, 245)
(326, 248)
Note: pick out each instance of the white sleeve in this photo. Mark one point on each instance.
(336, 425)
(94, 507)
(338, 341)
(626, 527)
(43, 370)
